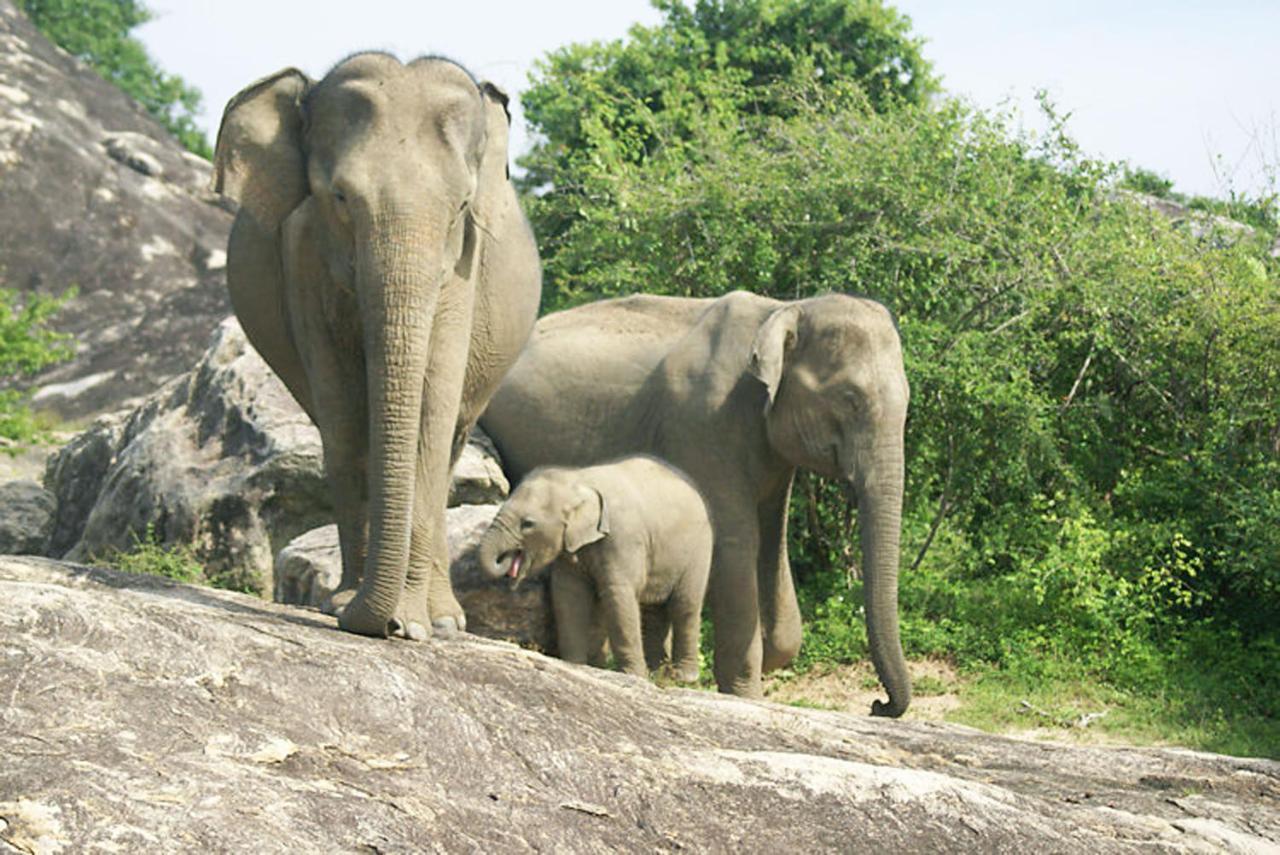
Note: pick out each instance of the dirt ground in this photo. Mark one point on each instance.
(852, 688)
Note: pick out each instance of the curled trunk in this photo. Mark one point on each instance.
(880, 518)
(496, 548)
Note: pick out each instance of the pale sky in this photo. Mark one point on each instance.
(1188, 88)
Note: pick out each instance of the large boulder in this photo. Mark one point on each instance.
(26, 518)
(95, 194)
(142, 715)
(310, 567)
(224, 460)
(221, 459)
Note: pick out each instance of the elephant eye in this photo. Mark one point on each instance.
(339, 196)
(526, 524)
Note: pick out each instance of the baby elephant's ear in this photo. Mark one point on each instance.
(587, 520)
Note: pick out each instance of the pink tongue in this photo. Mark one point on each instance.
(514, 570)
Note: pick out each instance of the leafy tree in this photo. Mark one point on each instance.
(97, 32)
(733, 61)
(1094, 452)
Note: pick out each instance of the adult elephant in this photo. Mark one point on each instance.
(381, 265)
(738, 392)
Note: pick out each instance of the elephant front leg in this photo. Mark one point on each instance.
(735, 612)
(428, 600)
(573, 599)
(622, 618)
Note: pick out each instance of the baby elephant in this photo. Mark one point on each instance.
(623, 535)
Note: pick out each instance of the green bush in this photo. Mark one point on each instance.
(1093, 445)
(153, 558)
(26, 346)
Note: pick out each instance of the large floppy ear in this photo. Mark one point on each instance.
(587, 520)
(258, 160)
(774, 340)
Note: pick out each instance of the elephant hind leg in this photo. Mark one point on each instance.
(655, 623)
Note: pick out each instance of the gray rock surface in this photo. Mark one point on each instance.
(310, 567)
(477, 476)
(140, 715)
(1201, 225)
(221, 459)
(224, 460)
(26, 518)
(94, 194)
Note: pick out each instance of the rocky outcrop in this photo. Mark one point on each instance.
(1201, 225)
(310, 567)
(221, 459)
(224, 460)
(143, 715)
(97, 196)
(26, 518)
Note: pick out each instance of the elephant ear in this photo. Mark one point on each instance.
(587, 520)
(774, 340)
(497, 127)
(258, 160)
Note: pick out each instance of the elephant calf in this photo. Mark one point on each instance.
(623, 535)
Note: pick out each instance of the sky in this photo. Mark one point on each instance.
(1187, 88)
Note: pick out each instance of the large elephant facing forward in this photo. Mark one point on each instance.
(381, 265)
(738, 392)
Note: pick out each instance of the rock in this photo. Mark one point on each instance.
(75, 473)
(1201, 225)
(310, 567)
(477, 476)
(26, 518)
(224, 460)
(95, 194)
(140, 714)
(221, 459)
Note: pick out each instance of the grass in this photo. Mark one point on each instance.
(148, 556)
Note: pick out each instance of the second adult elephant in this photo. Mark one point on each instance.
(737, 392)
(381, 265)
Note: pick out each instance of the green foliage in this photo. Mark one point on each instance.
(1093, 443)
(602, 106)
(26, 346)
(97, 32)
(150, 556)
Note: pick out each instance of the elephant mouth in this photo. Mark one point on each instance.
(510, 565)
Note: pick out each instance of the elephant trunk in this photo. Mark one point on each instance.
(880, 517)
(498, 552)
(398, 281)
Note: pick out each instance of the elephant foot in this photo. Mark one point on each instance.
(447, 615)
(336, 602)
(358, 617)
(412, 621)
(687, 674)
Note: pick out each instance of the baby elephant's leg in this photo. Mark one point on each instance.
(622, 618)
(686, 631)
(656, 628)
(573, 599)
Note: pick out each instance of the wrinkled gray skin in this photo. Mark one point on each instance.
(381, 265)
(622, 537)
(737, 392)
